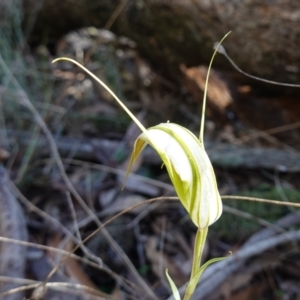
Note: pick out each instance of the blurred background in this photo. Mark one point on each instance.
(65, 145)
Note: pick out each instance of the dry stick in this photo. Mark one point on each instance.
(226, 208)
(222, 50)
(61, 286)
(27, 103)
(21, 288)
(268, 137)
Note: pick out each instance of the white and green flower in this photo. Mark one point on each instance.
(189, 168)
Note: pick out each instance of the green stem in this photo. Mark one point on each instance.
(198, 251)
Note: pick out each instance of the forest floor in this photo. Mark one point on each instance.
(65, 145)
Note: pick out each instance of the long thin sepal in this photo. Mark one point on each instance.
(205, 89)
(132, 116)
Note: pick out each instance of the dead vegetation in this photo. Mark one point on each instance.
(65, 146)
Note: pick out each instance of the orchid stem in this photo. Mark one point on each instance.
(197, 256)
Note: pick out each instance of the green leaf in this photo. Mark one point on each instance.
(198, 275)
(174, 289)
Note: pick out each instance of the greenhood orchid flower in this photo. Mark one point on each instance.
(186, 160)
(189, 168)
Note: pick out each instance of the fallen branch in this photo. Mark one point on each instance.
(223, 155)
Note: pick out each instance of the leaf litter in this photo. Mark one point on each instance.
(91, 131)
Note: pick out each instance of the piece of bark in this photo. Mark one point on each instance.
(12, 225)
